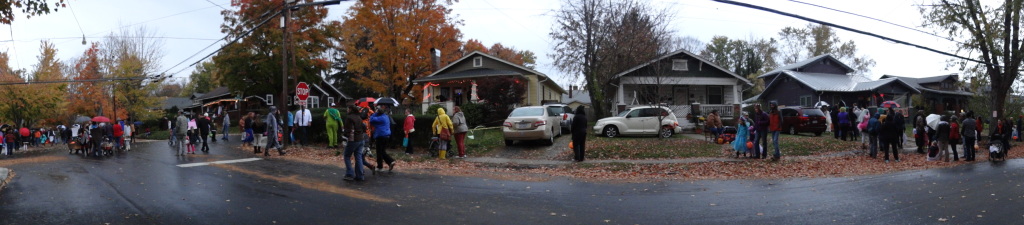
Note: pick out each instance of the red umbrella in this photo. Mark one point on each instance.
(365, 102)
(887, 104)
(101, 119)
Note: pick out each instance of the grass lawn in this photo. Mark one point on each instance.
(649, 148)
(484, 140)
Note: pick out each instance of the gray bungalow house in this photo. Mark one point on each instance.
(823, 78)
(940, 93)
(681, 81)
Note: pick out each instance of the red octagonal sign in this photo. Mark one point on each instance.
(302, 91)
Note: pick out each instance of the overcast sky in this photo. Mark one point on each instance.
(187, 26)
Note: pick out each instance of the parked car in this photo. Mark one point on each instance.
(642, 120)
(532, 123)
(567, 115)
(797, 119)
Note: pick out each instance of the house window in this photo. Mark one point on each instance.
(478, 61)
(716, 95)
(313, 102)
(330, 100)
(680, 65)
(270, 99)
(805, 100)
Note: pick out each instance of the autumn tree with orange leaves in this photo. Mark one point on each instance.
(387, 43)
(87, 98)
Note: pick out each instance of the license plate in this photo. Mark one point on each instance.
(814, 122)
(523, 126)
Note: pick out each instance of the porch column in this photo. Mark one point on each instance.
(426, 98)
(472, 96)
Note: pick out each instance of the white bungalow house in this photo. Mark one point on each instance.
(681, 80)
(457, 81)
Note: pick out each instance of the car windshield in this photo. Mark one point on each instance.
(813, 112)
(521, 112)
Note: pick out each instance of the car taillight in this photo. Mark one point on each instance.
(507, 124)
(540, 123)
(675, 124)
(803, 119)
(565, 116)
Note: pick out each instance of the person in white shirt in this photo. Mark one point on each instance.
(302, 119)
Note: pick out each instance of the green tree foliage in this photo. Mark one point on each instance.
(747, 58)
(596, 39)
(202, 79)
(253, 64)
(991, 34)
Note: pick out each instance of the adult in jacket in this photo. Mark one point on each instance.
(969, 132)
(872, 131)
(775, 127)
(273, 129)
(204, 131)
(440, 123)
(381, 123)
(180, 129)
(889, 135)
(761, 123)
(459, 122)
(355, 132)
(579, 134)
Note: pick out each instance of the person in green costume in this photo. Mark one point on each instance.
(333, 118)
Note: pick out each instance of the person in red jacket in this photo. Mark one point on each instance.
(407, 126)
(118, 132)
(774, 127)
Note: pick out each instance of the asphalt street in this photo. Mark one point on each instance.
(147, 186)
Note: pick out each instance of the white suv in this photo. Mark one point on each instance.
(641, 120)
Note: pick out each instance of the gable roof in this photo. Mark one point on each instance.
(171, 102)
(917, 81)
(837, 82)
(331, 87)
(442, 74)
(581, 96)
(683, 51)
(801, 64)
(216, 92)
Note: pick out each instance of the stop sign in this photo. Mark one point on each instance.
(302, 91)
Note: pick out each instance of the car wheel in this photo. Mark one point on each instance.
(551, 141)
(792, 130)
(610, 131)
(508, 142)
(666, 132)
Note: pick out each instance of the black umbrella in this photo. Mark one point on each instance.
(386, 101)
(82, 119)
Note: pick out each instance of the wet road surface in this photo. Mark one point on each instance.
(147, 186)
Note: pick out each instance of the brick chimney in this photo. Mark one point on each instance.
(572, 88)
(434, 59)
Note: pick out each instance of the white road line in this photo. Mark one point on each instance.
(219, 162)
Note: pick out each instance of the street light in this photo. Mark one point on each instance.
(285, 46)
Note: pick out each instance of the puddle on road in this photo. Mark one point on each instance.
(315, 185)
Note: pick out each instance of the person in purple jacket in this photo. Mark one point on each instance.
(761, 126)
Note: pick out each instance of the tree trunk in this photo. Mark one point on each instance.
(597, 98)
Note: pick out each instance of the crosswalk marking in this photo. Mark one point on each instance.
(218, 162)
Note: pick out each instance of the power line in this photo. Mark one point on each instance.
(875, 19)
(72, 81)
(244, 34)
(846, 28)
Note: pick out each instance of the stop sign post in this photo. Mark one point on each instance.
(302, 92)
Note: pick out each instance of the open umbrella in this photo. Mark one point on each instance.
(82, 119)
(386, 101)
(820, 104)
(101, 119)
(933, 121)
(887, 104)
(365, 102)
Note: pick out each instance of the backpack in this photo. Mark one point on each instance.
(954, 131)
(873, 125)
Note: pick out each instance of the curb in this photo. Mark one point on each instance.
(7, 175)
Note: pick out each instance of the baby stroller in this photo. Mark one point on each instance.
(996, 151)
(434, 148)
(728, 135)
(75, 145)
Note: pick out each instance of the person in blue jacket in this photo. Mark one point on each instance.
(381, 123)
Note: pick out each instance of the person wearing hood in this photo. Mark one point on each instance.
(579, 134)
(273, 128)
(381, 123)
(459, 122)
(441, 123)
(872, 132)
(333, 118)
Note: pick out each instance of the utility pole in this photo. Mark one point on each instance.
(286, 17)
